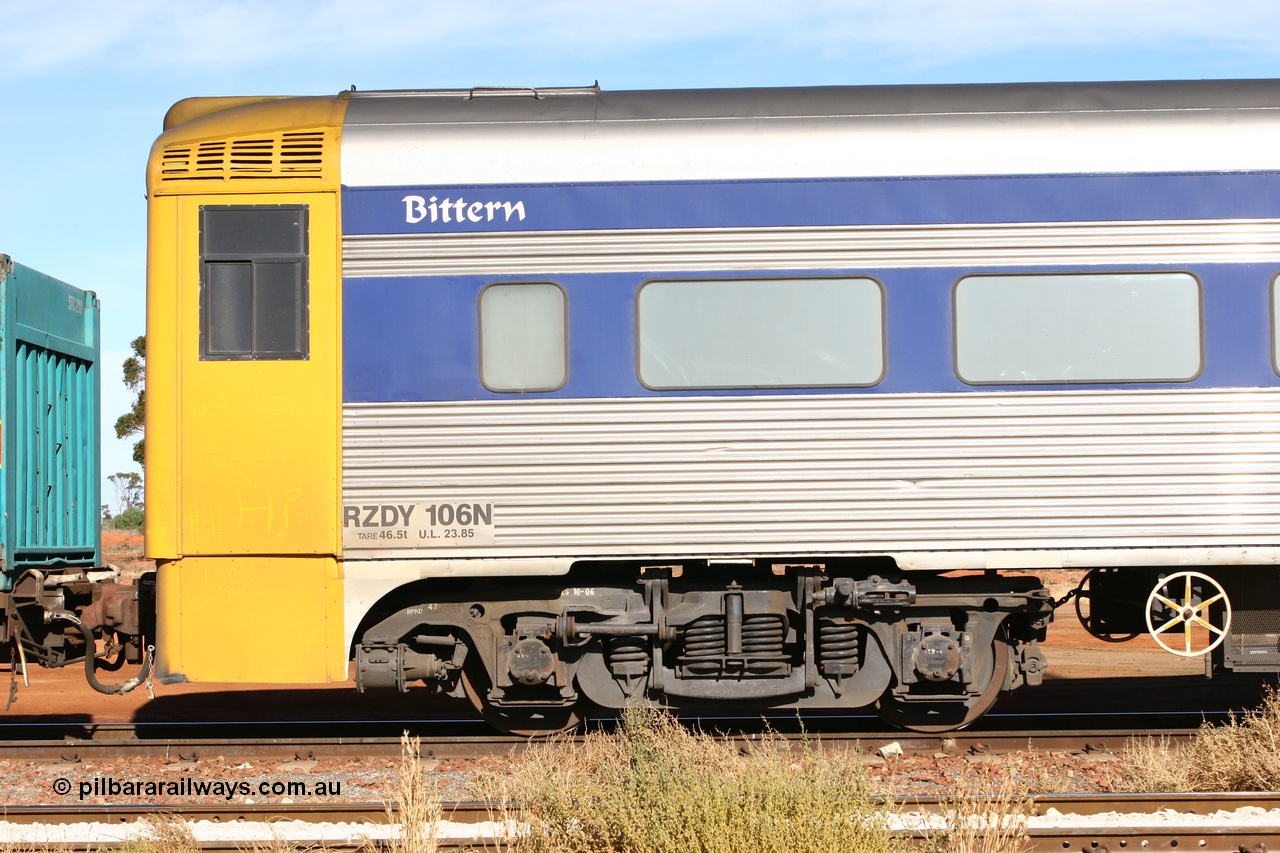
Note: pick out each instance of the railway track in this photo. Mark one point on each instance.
(458, 738)
(103, 748)
(1165, 822)
(1058, 822)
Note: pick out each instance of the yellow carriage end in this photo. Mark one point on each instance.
(244, 449)
(251, 620)
(235, 145)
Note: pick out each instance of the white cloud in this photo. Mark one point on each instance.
(936, 31)
(253, 33)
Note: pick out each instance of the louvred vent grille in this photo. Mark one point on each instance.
(297, 154)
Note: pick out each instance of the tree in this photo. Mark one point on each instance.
(128, 486)
(135, 379)
(129, 495)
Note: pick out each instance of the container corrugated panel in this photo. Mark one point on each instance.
(48, 421)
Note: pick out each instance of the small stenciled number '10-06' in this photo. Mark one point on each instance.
(391, 524)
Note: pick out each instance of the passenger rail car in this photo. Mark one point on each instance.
(761, 398)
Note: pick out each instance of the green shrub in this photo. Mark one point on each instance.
(130, 519)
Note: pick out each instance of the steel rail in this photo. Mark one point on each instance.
(466, 811)
(1154, 820)
(100, 747)
(363, 812)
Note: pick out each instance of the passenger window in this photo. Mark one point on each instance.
(1111, 327)
(760, 333)
(1275, 325)
(253, 282)
(524, 342)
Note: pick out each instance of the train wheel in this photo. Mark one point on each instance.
(1177, 593)
(934, 717)
(525, 722)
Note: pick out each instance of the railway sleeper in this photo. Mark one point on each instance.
(928, 652)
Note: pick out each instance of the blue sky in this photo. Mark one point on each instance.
(86, 83)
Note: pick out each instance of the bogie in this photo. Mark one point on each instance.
(926, 650)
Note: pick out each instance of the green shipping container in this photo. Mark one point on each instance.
(49, 415)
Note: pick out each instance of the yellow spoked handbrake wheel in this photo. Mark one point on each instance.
(1178, 592)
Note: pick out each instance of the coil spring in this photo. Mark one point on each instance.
(627, 656)
(763, 635)
(837, 647)
(704, 638)
(704, 645)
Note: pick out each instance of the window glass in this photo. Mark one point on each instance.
(760, 333)
(1275, 325)
(523, 339)
(253, 298)
(277, 319)
(227, 304)
(1115, 327)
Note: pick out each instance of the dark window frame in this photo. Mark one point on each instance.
(259, 317)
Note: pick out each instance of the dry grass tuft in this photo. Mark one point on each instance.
(164, 834)
(656, 787)
(417, 809)
(1155, 765)
(27, 847)
(1243, 755)
(983, 814)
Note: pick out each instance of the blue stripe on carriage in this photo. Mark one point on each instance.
(824, 202)
(417, 338)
